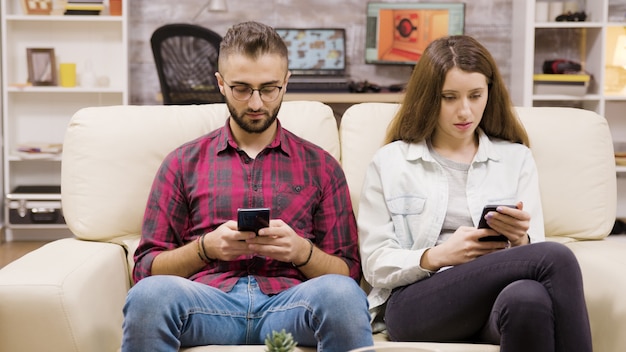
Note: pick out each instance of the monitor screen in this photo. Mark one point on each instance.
(398, 33)
(315, 51)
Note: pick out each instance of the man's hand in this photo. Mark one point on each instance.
(227, 243)
(280, 242)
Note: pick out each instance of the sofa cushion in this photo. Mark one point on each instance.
(362, 132)
(106, 180)
(573, 151)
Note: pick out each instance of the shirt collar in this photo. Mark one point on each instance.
(227, 140)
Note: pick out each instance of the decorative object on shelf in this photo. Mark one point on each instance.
(555, 9)
(619, 56)
(49, 148)
(572, 17)
(67, 74)
(541, 11)
(39, 150)
(115, 7)
(570, 7)
(41, 66)
(616, 81)
(561, 66)
(88, 77)
(37, 7)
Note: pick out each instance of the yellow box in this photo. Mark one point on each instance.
(67, 73)
(561, 83)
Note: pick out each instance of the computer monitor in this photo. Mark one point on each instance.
(397, 33)
(315, 51)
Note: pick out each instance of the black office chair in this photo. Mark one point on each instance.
(186, 60)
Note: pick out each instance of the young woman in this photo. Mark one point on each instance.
(455, 146)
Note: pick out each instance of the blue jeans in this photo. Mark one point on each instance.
(164, 313)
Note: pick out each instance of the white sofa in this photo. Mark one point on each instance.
(68, 295)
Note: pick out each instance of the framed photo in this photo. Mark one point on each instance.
(37, 7)
(41, 67)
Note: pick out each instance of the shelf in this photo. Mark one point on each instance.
(72, 18)
(616, 97)
(47, 157)
(56, 89)
(346, 98)
(588, 97)
(96, 44)
(568, 25)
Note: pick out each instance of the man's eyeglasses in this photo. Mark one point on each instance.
(243, 92)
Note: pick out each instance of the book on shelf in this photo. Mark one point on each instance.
(562, 77)
(83, 7)
(82, 12)
(561, 83)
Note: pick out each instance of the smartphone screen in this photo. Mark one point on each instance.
(253, 219)
(482, 223)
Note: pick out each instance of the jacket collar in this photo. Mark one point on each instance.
(486, 150)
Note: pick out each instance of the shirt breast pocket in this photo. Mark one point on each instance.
(294, 204)
(407, 215)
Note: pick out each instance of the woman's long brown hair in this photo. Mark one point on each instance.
(418, 114)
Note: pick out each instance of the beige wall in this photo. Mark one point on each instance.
(487, 20)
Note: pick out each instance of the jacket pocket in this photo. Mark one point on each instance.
(407, 214)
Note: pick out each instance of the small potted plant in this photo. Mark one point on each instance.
(280, 342)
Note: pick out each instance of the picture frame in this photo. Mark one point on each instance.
(41, 66)
(37, 7)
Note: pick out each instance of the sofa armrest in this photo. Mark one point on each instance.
(65, 296)
(603, 265)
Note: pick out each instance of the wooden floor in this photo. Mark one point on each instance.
(9, 251)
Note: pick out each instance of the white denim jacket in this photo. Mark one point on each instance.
(405, 197)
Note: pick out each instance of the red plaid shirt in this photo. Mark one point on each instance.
(201, 184)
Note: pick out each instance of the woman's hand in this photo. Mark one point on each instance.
(463, 246)
(512, 223)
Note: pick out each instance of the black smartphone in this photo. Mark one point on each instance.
(482, 224)
(253, 219)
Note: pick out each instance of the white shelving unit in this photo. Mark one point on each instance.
(40, 114)
(592, 43)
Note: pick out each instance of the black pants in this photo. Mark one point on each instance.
(527, 298)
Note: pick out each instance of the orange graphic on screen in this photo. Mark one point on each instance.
(404, 34)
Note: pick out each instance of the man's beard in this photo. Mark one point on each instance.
(257, 126)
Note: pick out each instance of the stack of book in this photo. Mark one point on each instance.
(84, 7)
(561, 83)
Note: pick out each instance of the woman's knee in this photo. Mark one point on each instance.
(556, 251)
(523, 303)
